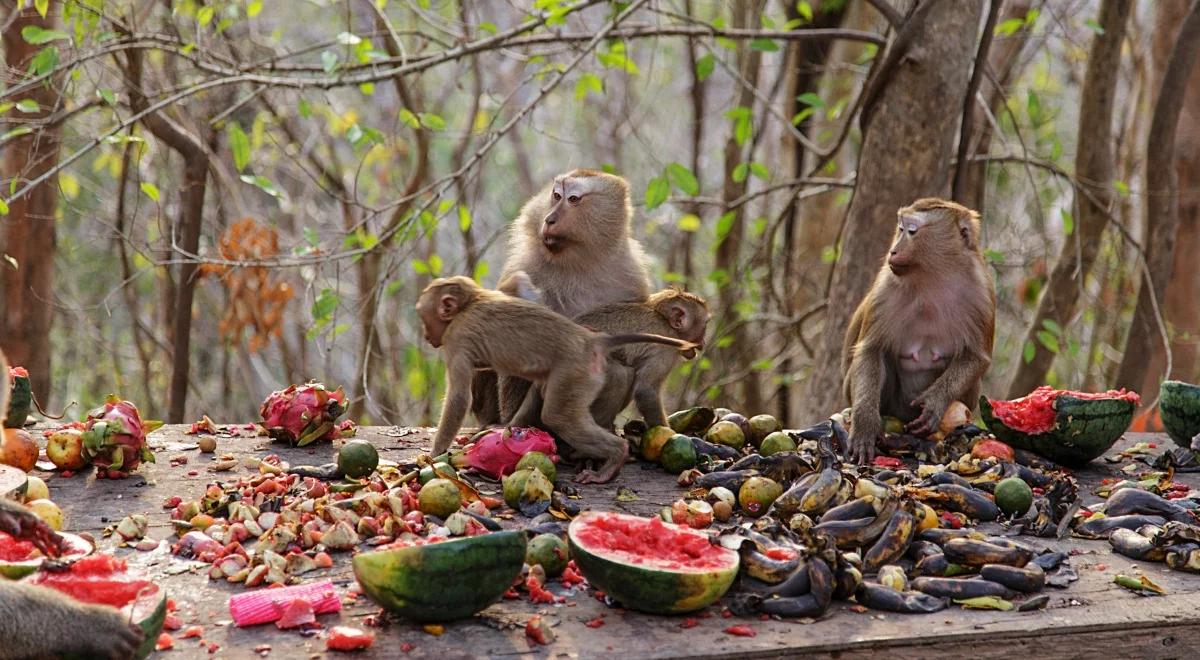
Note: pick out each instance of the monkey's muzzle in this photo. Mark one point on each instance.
(552, 242)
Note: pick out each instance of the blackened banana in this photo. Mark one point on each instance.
(816, 499)
(1028, 579)
(1048, 561)
(973, 587)
(1101, 527)
(940, 535)
(892, 543)
(731, 479)
(761, 567)
(918, 550)
(973, 552)
(969, 501)
(1126, 501)
(848, 580)
(862, 507)
(878, 597)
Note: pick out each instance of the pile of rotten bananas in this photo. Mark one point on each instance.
(890, 539)
(1144, 526)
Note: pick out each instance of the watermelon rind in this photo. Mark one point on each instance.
(1083, 429)
(647, 589)
(19, 403)
(151, 626)
(1179, 405)
(442, 581)
(77, 546)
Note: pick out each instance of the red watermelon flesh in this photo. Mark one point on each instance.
(1034, 413)
(97, 579)
(652, 544)
(13, 550)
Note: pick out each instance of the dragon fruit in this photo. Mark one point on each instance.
(497, 451)
(21, 400)
(305, 413)
(114, 438)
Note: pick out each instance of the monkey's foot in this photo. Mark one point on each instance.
(607, 471)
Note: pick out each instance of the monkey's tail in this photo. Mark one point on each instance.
(5, 386)
(613, 341)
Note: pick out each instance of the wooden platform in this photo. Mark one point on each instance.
(1092, 618)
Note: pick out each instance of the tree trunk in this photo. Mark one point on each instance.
(1182, 303)
(907, 150)
(730, 290)
(1162, 201)
(28, 230)
(1094, 163)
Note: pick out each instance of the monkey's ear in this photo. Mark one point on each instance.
(968, 228)
(447, 307)
(677, 316)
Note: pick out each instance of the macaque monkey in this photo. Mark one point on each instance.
(573, 240)
(922, 336)
(38, 622)
(635, 372)
(481, 329)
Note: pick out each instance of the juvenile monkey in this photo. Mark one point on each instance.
(37, 622)
(922, 336)
(573, 240)
(481, 329)
(637, 372)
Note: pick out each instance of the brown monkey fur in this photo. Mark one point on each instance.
(636, 372)
(481, 329)
(922, 336)
(37, 622)
(573, 240)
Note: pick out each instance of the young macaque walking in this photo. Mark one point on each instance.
(922, 336)
(635, 372)
(481, 329)
(573, 241)
(37, 622)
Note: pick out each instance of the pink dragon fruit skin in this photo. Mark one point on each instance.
(497, 452)
(302, 414)
(114, 438)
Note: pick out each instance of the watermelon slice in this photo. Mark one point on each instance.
(1071, 428)
(20, 558)
(649, 565)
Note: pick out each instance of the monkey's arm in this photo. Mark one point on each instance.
(647, 390)
(513, 393)
(458, 399)
(866, 387)
(962, 375)
(530, 412)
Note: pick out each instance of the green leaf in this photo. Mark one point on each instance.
(985, 603)
(435, 265)
(705, 66)
(994, 256)
(765, 45)
(239, 144)
(408, 117)
(588, 82)
(420, 266)
(329, 61)
(740, 172)
(805, 10)
(262, 183)
(325, 304)
(689, 222)
(616, 57)
(205, 15)
(1049, 340)
(42, 7)
(150, 190)
(656, 192)
(3, 207)
(1094, 26)
(1068, 221)
(432, 122)
(811, 99)
(725, 225)
(464, 218)
(801, 116)
(1009, 27)
(1122, 188)
(759, 170)
(27, 105)
(37, 36)
(1052, 326)
(253, 8)
(683, 179)
(108, 96)
(44, 62)
(481, 271)
(18, 131)
(489, 27)
(304, 108)
(1028, 352)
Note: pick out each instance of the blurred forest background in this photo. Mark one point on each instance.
(204, 200)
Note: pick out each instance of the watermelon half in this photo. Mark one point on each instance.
(1179, 405)
(1070, 428)
(649, 565)
(20, 558)
(442, 581)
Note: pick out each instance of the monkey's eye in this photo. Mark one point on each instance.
(912, 231)
(557, 196)
(574, 199)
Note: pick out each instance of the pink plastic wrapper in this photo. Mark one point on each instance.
(267, 605)
(496, 454)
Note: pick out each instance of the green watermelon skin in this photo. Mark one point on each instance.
(442, 581)
(1083, 430)
(1179, 405)
(19, 404)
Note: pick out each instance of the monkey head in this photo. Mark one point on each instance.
(931, 230)
(686, 313)
(440, 302)
(588, 209)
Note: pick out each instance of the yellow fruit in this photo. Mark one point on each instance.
(36, 489)
(49, 513)
(653, 441)
(928, 519)
(18, 449)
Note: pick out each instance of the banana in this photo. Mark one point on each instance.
(849, 578)
(845, 493)
(961, 587)
(761, 567)
(942, 478)
(893, 577)
(1048, 561)
(934, 565)
(1135, 546)
(892, 543)
(862, 507)
(879, 597)
(940, 535)
(969, 501)
(1100, 528)
(849, 534)
(1134, 500)
(973, 552)
(1027, 579)
(864, 487)
(918, 550)
(1184, 557)
(812, 604)
(823, 490)
(788, 504)
(731, 479)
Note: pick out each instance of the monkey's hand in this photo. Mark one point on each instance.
(861, 446)
(930, 418)
(606, 472)
(24, 525)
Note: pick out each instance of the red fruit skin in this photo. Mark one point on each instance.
(993, 449)
(345, 638)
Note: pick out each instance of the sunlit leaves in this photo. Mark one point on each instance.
(42, 6)
(804, 9)
(489, 27)
(432, 267)
(588, 82)
(1122, 188)
(765, 45)
(3, 208)
(617, 57)
(705, 66)
(32, 34)
(743, 170)
(683, 179)
(1009, 27)
(108, 96)
(432, 122)
(743, 123)
(814, 103)
(44, 61)
(1094, 26)
(464, 218)
(724, 226)
(27, 105)
(993, 256)
(1028, 352)
(239, 144)
(410, 118)
(253, 8)
(656, 192)
(262, 183)
(689, 223)
(205, 15)
(150, 190)
(1068, 222)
